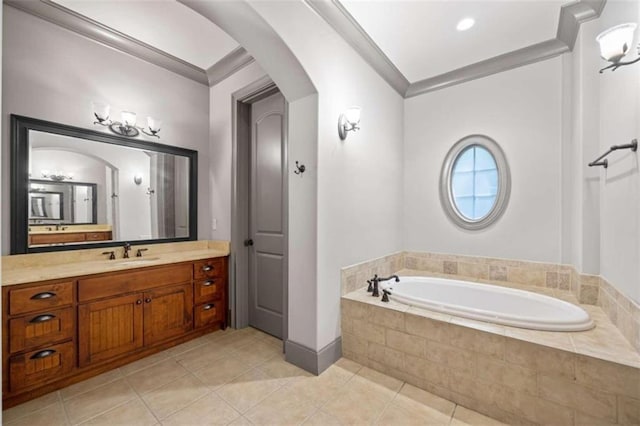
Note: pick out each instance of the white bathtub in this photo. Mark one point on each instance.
(490, 303)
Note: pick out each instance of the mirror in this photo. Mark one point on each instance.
(79, 188)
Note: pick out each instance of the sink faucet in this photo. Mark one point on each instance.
(375, 280)
(127, 248)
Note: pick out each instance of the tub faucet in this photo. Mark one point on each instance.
(377, 280)
(127, 248)
(370, 282)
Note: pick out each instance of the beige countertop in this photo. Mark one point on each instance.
(29, 268)
(68, 229)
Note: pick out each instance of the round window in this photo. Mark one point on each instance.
(474, 183)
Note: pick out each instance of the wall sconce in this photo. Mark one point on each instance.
(128, 126)
(57, 176)
(348, 121)
(137, 179)
(615, 43)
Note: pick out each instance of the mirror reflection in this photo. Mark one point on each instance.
(87, 191)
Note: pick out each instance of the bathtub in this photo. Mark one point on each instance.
(490, 303)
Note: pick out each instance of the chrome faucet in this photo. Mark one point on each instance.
(127, 248)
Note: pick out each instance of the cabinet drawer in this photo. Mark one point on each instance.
(40, 298)
(209, 313)
(38, 329)
(56, 238)
(208, 290)
(209, 268)
(98, 236)
(38, 367)
(132, 281)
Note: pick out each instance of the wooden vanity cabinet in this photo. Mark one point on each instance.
(60, 332)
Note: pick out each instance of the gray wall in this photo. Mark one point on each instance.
(53, 74)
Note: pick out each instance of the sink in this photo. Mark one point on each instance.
(135, 261)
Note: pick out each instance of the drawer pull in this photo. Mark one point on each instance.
(43, 354)
(207, 268)
(208, 283)
(43, 295)
(208, 306)
(42, 318)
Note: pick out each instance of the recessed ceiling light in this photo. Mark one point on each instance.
(465, 24)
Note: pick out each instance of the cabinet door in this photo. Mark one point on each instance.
(109, 328)
(168, 312)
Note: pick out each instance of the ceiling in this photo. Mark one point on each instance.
(421, 39)
(164, 24)
(413, 44)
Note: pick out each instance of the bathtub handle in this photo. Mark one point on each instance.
(385, 295)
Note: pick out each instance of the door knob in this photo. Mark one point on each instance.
(248, 243)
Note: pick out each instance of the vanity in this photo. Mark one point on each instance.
(71, 321)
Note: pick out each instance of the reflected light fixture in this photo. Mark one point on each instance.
(348, 121)
(128, 124)
(615, 43)
(465, 24)
(57, 176)
(137, 179)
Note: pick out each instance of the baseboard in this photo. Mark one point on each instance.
(314, 362)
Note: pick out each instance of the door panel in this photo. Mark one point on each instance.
(266, 256)
(168, 312)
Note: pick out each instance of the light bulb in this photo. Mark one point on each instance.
(129, 118)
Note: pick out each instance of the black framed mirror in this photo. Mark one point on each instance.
(74, 188)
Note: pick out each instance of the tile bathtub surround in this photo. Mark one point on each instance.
(622, 311)
(355, 276)
(244, 381)
(514, 375)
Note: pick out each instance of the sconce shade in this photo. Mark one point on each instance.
(616, 41)
(154, 125)
(352, 115)
(137, 179)
(348, 121)
(129, 118)
(101, 111)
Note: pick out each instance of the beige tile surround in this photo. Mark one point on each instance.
(239, 378)
(514, 375)
(554, 278)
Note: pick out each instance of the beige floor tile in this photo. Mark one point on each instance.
(221, 372)
(278, 368)
(256, 352)
(379, 380)
(465, 417)
(282, 407)
(320, 418)
(159, 374)
(98, 400)
(399, 415)
(144, 363)
(209, 410)
(249, 389)
(201, 356)
(348, 365)
(410, 395)
(174, 396)
(14, 413)
(187, 346)
(236, 340)
(53, 415)
(133, 412)
(89, 384)
(241, 421)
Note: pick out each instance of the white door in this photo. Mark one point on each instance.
(266, 218)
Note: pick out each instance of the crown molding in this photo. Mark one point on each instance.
(231, 63)
(107, 36)
(344, 24)
(571, 16)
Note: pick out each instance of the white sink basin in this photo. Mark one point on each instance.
(137, 260)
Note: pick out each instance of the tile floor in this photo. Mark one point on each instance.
(238, 377)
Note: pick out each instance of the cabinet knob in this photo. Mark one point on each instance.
(139, 302)
(43, 354)
(208, 283)
(43, 295)
(207, 268)
(42, 318)
(208, 306)
(148, 300)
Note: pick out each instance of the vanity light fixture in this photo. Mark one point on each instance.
(57, 176)
(348, 121)
(615, 43)
(128, 124)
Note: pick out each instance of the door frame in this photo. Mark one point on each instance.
(241, 101)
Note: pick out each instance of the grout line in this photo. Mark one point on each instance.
(453, 413)
(64, 407)
(103, 412)
(144, 403)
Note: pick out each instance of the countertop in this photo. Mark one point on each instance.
(29, 268)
